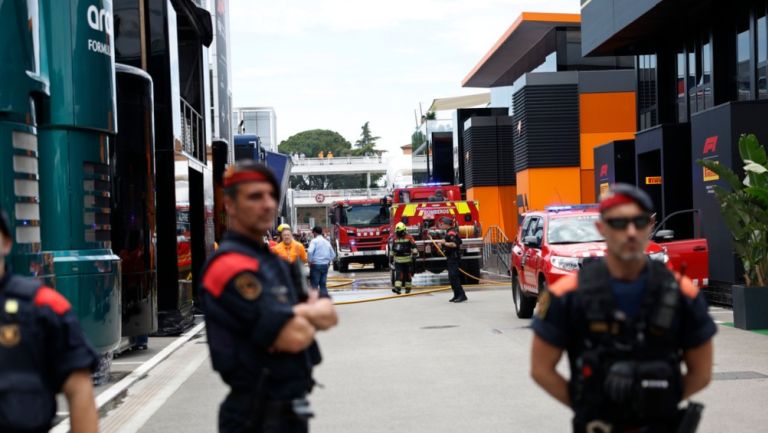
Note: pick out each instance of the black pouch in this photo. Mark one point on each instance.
(659, 390)
(25, 403)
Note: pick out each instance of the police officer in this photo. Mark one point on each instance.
(260, 325)
(403, 251)
(42, 352)
(452, 248)
(627, 323)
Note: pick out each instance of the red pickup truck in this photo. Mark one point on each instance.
(554, 243)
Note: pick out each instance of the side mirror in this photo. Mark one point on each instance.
(664, 235)
(531, 241)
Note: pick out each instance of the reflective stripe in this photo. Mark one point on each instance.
(462, 207)
(410, 210)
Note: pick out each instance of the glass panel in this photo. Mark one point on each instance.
(743, 56)
(692, 79)
(682, 102)
(762, 57)
(706, 76)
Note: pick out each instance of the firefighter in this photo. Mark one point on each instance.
(403, 252)
(627, 323)
(43, 351)
(452, 247)
(260, 326)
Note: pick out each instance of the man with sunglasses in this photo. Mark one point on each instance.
(627, 323)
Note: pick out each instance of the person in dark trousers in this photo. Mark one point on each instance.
(452, 249)
(260, 322)
(320, 256)
(403, 251)
(43, 351)
(628, 323)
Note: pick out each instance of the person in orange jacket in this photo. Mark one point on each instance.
(288, 248)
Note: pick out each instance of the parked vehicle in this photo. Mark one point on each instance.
(553, 243)
(360, 232)
(429, 211)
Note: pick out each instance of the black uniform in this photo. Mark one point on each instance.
(453, 258)
(41, 345)
(625, 362)
(248, 296)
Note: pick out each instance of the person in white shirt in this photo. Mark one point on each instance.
(320, 254)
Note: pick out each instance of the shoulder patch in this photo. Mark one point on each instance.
(248, 286)
(687, 288)
(224, 268)
(565, 285)
(47, 297)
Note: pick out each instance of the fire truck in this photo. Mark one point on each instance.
(429, 211)
(360, 232)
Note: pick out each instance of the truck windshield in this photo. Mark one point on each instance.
(573, 230)
(364, 215)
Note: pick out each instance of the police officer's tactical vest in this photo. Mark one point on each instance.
(26, 400)
(276, 375)
(647, 343)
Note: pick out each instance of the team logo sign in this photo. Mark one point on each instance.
(248, 286)
(10, 335)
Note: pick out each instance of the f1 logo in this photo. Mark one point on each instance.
(604, 170)
(710, 145)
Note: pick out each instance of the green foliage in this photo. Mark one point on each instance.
(745, 208)
(311, 143)
(366, 144)
(417, 139)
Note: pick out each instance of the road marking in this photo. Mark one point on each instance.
(148, 396)
(120, 388)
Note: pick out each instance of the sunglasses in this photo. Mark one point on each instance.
(640, 222)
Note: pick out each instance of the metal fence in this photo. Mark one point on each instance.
(341, 193)
(337, 160)
(496, 251)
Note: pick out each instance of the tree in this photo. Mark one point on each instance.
(367, 142)
(311, 143)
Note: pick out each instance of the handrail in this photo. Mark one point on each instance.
(337, 160)
(497, 249)
(192, 131)
(328, 193)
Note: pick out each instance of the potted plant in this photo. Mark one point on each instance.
(745, 210)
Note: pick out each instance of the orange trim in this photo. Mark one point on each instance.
(564, 285)
(525, 16)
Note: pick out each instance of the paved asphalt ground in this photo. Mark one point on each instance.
(421, 364)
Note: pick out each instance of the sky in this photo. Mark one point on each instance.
(335, 64)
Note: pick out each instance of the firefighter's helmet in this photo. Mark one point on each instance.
(400, 228)
(282, 227)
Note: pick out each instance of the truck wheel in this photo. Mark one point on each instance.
(471, 267)
(343, 266)
(524, 305)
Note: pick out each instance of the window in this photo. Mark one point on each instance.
(762, 56)
(682, 101)
(647, 98)
(743, 57)
(692, 79)
(705, 82)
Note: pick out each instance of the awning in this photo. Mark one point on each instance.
(468, 101)
(518, 51)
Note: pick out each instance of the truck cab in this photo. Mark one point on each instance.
(430, 211)
(360, 232)
(555, 242)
